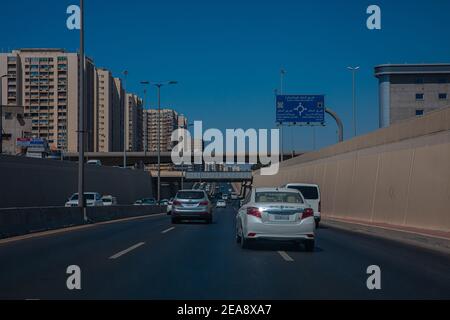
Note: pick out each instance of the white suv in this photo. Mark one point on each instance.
(311, 193)
(275, 214)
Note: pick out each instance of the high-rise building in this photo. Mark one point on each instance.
(109, 111)
(103, 114)
(168, 123)
(46, 83)
(119, 115)
(134, 122)
(182, 121)
(411, 90)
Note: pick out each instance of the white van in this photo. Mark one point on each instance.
(311, 193)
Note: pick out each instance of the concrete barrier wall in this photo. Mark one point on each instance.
(29, 182)
(21, 221)
(403, 183)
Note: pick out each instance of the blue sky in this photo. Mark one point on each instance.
(227, 54)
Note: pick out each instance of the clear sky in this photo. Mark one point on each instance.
(227, 55)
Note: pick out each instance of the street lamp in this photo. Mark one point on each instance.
(81, 129)
(354, 70)
(182, 163)
(158, 85)
(145, 129)
(1, 112)
(125, 126)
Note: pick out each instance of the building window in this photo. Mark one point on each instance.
(419, 81)
(419, 112)
(442, 96)
(443, 80)
(419, 96)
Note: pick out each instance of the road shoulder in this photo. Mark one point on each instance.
(417, 239)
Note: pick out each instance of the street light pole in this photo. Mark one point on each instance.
(145, 124)
(158, 86)
(1, 112)
(81, 200)
(125, 126)
(354, 70)
(159, 142)
(282, 74)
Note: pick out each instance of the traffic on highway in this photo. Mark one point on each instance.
(224, 159)
(272, 234)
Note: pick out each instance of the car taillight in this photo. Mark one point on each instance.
(177, 203)
(254, 212)
(204, 203)
(308, 213)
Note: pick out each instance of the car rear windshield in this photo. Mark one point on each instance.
(309, 193)
(278, 197)
(191, 195)
(88, 196)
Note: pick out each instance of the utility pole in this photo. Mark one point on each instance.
(354, 70)
(81, 129)
(125, 125)
(1, 112)
(158, 86)
(159, 142)
(282, 75)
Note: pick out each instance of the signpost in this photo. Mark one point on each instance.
(301, 110)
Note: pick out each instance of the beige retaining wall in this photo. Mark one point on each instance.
(398, 176)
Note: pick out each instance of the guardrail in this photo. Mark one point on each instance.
(21, 221)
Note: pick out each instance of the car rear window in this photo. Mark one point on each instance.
(191, 195)
(278, 197)
(309, 193)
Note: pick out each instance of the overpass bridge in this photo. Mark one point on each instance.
(148, 158)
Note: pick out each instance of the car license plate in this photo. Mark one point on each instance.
(279, 217)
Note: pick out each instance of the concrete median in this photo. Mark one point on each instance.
(22, 221)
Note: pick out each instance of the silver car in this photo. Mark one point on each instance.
(191, 205)
(275, 214)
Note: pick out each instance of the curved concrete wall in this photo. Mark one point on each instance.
(29, 182)
(403, 183)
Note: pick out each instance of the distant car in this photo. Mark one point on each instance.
(311, 193)
(221, 204)
(148, 202)
(191, 205)
(109, 201)
(138, 203)
(94, 163)
(275, 214)
(93, 199)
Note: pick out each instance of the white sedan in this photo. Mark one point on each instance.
(275, 214)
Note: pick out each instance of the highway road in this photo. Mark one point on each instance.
(149, 258)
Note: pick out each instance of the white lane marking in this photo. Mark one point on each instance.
(285, 256)
(168, 230)
(118, 255)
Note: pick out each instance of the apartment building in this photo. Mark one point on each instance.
(46, 82)
(118, 115)
(169, 123)
(103, 114)
(134, 122)
(411, 90)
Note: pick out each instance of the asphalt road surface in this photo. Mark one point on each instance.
(152, 259)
